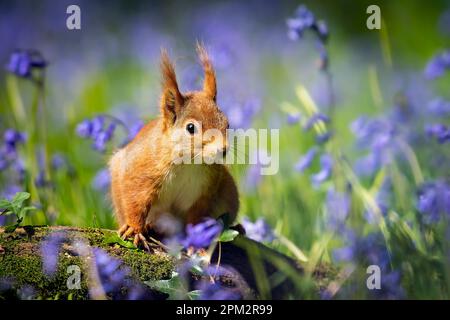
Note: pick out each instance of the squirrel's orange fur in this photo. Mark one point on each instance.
(145, 181)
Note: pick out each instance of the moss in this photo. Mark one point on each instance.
(21, 261)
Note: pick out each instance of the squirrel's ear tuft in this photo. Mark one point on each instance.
(171, 100)
(209, 84)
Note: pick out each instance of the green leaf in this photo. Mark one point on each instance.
(7, 212)
(197, 270)
(24, 210)
(173, 287)
(194, 294)
(115, 239)
(228, 235)
(5, 204)
(19, 198)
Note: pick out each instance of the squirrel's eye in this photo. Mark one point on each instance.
(191, 128)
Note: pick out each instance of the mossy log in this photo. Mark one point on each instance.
(21, 261)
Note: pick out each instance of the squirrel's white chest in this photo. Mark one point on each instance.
(181, 188)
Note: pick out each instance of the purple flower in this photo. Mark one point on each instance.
(10, 191)
(439, 107)
(259, 230)
(115, 278)
(84, 128)
(305, 161)
(382, 201)
(22, 63)
(215, 291)
(102, 180)
(303, 19)
(338, 208)
(314, 119)
(324, 137)
(58, 161)
(240, 114)
(293, 118)
(50, 249)
(439, 131)
(326, 163)
(437, 66)
(253, 177)
(434, 200)
(202, 234)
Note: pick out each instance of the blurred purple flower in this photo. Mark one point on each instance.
(437, 66)
(202, 234)
(58, 161)
(439, 131)
(326, 163)
(305, 161)
(10, 191)
(215, 291)
(240, 114)
(324, 137)
(102, 180)
(293, 118)
(303, 19)
(259, 230)
(22, 62)
(382, 201)
(434, 201)
(50, 249)
(439, 107)
(115, 279)
(315, 119)
(253, 177)
(338, 207)
(84, 128)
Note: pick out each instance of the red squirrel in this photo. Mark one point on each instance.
(145, 181)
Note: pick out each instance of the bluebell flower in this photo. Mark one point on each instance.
(326, 163)
(102, 180)
(84, 128)
(434, 201)
(303, 19)
(439, 131)
(58, 161)
(338, 207)
(382, 201)
(305, 161)
(115, 278)
(50, 249)
(259, 230)
(439, 107)
(293, 118)
(22, 63)
(437, 66)
(215, 291)
(253, 177)
(240, 114)
(322, 29)
(12, 139)
(202, 234)
(324, 137)
(315, 119)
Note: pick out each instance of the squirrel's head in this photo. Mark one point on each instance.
(198, 128)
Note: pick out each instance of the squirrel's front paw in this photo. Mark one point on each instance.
(139, 239)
